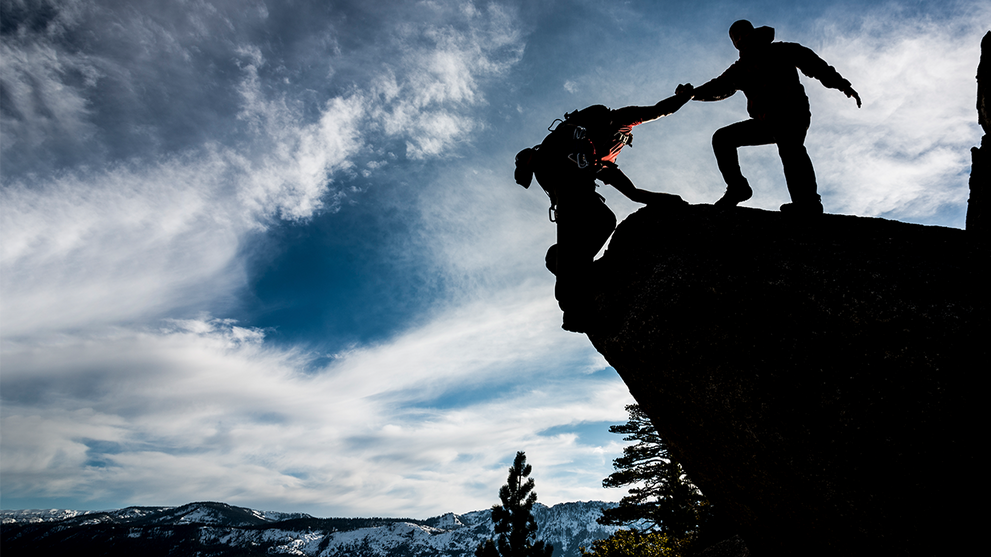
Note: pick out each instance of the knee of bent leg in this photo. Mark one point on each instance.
(721, 140)
(789, 149)
(550, 259)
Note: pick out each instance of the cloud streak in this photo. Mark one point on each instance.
(906, 153)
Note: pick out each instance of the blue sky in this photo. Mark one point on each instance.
(272, 254)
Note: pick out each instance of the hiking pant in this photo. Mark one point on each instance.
(788, 135)
(584, 223)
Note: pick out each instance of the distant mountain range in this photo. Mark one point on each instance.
(221, 530)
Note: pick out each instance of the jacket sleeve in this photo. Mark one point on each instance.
(813, 66)
(635, 115)
(719, 88)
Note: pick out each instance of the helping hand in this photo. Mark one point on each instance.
(662, 199)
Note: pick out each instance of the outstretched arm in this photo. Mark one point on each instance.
(718, 88)
(682, 94)
(612, 175)
(634, 115)
(813, 66)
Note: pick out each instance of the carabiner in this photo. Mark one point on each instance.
(579, 159)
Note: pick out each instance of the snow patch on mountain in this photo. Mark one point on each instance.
(226, 530)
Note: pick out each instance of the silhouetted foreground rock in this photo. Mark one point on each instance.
(980, 169)
(822, 381)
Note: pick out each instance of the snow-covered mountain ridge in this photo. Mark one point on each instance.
(218, 529)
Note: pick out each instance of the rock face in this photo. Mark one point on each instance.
(980, 170)
(820, 379)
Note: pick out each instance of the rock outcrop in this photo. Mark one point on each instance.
(821, 379)
(980, 170)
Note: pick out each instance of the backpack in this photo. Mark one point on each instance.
(575, 137)
(583, 137)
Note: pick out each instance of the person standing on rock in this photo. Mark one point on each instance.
(580, 149)
(767, 73)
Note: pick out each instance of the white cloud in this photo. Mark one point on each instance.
(138, 241)
(132, 243)
(159, 237)
(906, 153)
(292, 178)
(205, 410)
(427, 91)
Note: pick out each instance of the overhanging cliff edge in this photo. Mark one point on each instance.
(820, 379)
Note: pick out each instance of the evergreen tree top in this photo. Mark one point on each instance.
(514, 522)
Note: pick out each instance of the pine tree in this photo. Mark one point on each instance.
(514, 522)
(662, 498)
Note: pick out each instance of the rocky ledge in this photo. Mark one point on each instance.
(821, 379)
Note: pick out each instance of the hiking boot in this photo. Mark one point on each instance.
(734, 195)
(806, 208)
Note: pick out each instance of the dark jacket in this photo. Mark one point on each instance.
(767, 74)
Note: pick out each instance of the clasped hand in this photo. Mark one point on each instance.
(684, 89)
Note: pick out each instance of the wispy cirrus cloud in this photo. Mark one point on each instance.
(157, 233)
(906, 153)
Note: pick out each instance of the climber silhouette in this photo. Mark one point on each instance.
(580, 149)
(778, 108)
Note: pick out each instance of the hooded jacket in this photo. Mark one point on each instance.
(767, 73)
